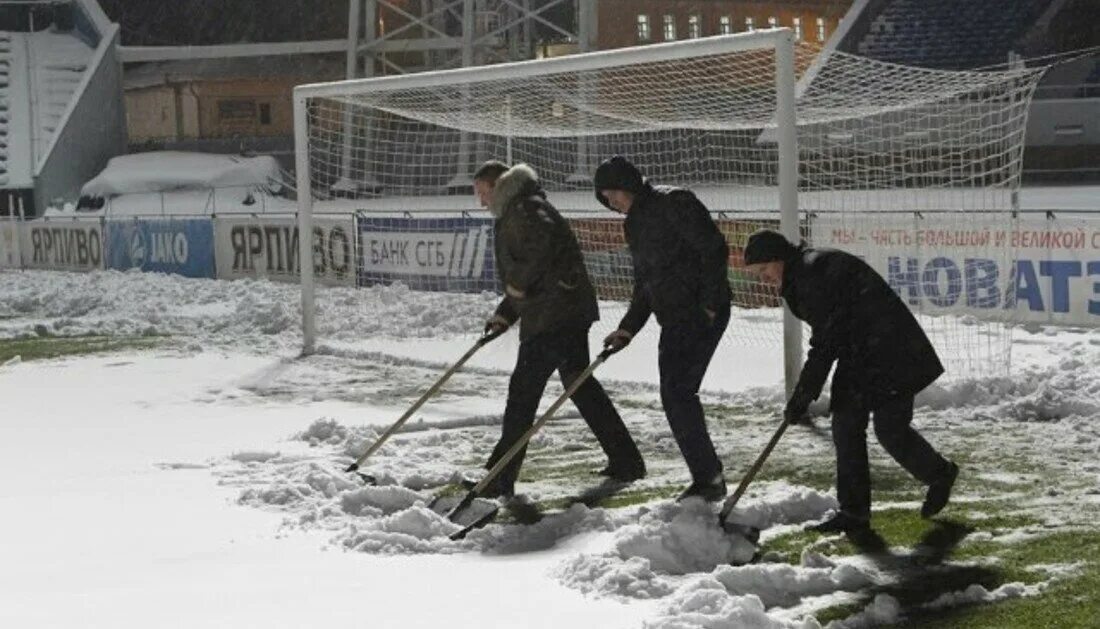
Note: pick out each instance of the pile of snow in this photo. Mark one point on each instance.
(704, 603)
(378, 500)
(780, 502)
(1043, 392)
(247, 314)
(413, 530)
(679, 538)
(784, 585)
(976, 593)
(609, 576)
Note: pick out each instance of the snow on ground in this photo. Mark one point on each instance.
(201, 483)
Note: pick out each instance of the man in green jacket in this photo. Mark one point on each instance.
(547, 289)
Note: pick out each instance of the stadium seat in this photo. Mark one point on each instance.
(949, 34)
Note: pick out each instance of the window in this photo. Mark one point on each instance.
(773, 22)
(695, 29)
(798, 29)
(670, 27)
(820, 29)
(265, 113)
(749, 25)
(725, 25)
(236, 110)
(643, 27)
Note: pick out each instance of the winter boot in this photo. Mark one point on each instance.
(843, 522)
(624, 473)
(939, 492)
(710, 491)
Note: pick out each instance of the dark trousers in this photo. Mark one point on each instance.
(684, 354)
(892, 420)
(567, 352)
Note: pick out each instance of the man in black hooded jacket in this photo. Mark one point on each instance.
(883, 359)
(680, 264)
(547, 290)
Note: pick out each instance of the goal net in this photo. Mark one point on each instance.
(915, 170)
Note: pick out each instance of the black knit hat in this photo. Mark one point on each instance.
(618, 173)
(768, 245)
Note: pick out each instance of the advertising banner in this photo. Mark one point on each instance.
(441, 254)
(182, 247)
(267, 247)
(9, 245)
(63, 245)
(1046, 269)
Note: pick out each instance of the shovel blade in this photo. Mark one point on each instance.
(747, 531)
(480, 512)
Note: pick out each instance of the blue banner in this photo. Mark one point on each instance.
(179, 246)
(436, 254)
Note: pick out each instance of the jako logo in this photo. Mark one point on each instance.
(137, 250)
(163, 248)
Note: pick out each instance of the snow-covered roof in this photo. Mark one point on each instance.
(164, 171)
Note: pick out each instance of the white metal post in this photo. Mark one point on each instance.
(305, 221)
(787, 132)
(586, 35)
(508, 129)
(19, 228)
(469, 28)
(351, 72)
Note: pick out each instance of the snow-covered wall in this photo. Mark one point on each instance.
(91, 131)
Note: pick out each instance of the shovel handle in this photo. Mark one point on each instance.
(481, 342)
(731, 502)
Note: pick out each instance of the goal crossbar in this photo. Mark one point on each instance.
(581, 62)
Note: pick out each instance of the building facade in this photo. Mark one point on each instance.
(625, 23)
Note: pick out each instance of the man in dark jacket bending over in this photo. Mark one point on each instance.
(547, 289)
(680, 265)
(883, 360)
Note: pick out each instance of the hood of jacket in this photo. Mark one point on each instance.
(518, 180)
(618, 173)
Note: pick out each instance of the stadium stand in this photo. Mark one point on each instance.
(949, 34)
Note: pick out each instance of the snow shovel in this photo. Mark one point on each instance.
(481, 342)
(514, 450)
(747, 531)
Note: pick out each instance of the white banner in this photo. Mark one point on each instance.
(1047, 269)
(439, 254)
(260, 247)
(9, 244)
(64, 245)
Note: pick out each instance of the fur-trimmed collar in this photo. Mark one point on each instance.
(510, 185)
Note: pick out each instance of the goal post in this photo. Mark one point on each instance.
(779, 40)
(901, 166)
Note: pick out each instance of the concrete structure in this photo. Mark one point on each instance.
(61, 96)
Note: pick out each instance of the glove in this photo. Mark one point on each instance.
(617, 340)
(496, 326)
(795, 412)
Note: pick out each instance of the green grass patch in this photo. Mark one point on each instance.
(927, 559)
(45, 347)
(1067, 602)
